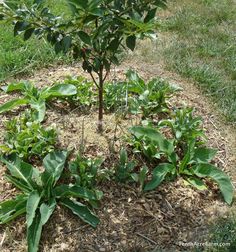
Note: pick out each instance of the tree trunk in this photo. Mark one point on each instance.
(100, 99)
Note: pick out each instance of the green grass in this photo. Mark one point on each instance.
(200, 44)
(223, 231)
(20, 57)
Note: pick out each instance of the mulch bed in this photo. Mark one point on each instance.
(130, 220)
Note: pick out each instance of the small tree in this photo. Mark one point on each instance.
(96, 32)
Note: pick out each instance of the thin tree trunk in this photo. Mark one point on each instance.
(100, 98)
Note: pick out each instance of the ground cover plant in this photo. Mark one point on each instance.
(28, 138)
(223, 231)
(41, 194)
(172, 158)
(85, 97)
(34, 97)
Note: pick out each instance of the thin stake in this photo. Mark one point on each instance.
(146, 238)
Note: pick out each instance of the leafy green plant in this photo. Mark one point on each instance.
(185, 126)
(141, 176)
(193, 164)
(41, 193)
(28, 138)
(149, 98)
(96, 32)
(151, 143)
(35, 98)
(87, 172)
(85, 96)
(124, 170)
(115, 96)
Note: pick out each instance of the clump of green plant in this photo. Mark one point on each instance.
(116, 96)
(136, 96)
(28, 138)
(88, 172)
(85, 96)
(41, 193)
(192, 163)
(148, 98)
(185, 126)
(125, 170)
(34, 97)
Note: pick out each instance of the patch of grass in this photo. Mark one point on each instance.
(200, 43)
(19, 57)
(223, 232)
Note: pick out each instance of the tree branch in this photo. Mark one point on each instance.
(95, 82)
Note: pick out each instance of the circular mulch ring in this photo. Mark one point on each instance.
(130, 220)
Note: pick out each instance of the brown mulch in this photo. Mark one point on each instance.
(130, 221)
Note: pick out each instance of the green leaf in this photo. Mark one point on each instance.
(59, 90)
(80, 3)
(82, 211)
(150, 15)
(155, 136)
(152, 134)
(204, 155)
(131, 42)
(159, 174)
(11, 209)
(20, 86)
(34, 233)
(21, 170)
(84, 37)
(28, 33)
(18, 183)
(142, 175)
(123, 156)
(20, 26)
(31, 207)
(66, 43)
(54, 164)
(74, 191)
(40, 107)
(46, 210)
(222, 179)
(187, 158)
(195, 182)
(13, 104)
(114, 44)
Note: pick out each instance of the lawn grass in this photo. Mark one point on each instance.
(200, 44)
(20, 57)
(223, 232)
